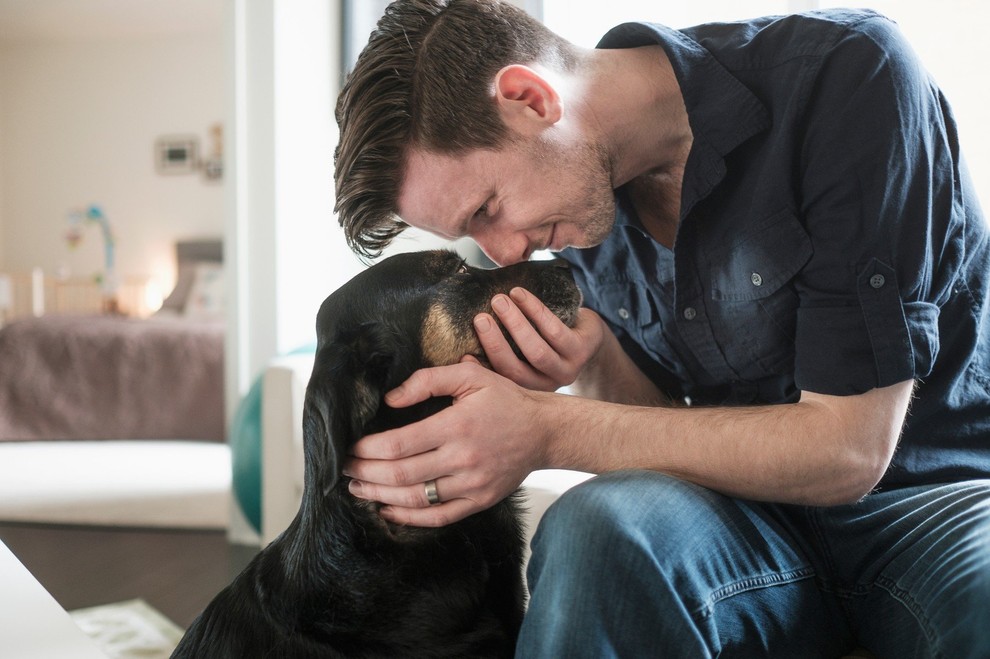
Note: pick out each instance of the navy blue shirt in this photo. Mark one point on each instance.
(830, 238)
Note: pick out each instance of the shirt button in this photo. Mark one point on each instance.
(756, 278)
(877, 281)
(624, 313)
(690, 313)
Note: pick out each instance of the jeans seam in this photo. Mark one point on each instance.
(904, 598)
(754, 583)
(824, 547)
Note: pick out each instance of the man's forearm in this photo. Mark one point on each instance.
(823, 450)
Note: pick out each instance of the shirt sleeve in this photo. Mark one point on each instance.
(880, 198)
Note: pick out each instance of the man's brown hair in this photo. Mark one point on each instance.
(425, 79)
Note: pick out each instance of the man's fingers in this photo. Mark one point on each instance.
(395, 471)
(516, 322)
(550, 348)
(551, 328)
(493, 342)
(432, 516)
(429, 383)
(419, 437)
(414, 495)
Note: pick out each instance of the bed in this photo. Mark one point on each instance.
(116, 420)
(106, 377)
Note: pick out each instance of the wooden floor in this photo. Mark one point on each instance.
(176, 572)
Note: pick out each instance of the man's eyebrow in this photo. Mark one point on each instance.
(465, 221)
(459, 229)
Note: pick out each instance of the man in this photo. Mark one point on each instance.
(781, 252)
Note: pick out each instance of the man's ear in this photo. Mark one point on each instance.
(527, 102)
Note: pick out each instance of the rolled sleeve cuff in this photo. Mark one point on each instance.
(879, 342)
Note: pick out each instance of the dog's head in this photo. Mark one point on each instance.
(407, 312)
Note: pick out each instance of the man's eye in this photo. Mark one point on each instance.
(482, 210)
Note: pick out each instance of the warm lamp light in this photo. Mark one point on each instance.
(153, 295)
(6, 293)
(6, 297)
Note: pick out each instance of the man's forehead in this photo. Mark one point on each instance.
(432, 163)
(437, 187)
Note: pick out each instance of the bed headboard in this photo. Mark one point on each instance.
(189, 254)
(208, 250)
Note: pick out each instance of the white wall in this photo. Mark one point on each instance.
(78, 122)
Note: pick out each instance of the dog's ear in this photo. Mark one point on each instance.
(350, 377)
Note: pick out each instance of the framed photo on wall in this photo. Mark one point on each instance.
(176, 154)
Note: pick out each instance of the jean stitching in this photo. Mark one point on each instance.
(904, 598)
(755, 583)
(824, 547)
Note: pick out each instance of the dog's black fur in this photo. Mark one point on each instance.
(340, 581)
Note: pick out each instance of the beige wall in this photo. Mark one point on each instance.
(78, 122)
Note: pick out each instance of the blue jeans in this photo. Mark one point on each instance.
(638, 564)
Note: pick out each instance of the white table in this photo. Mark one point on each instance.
(32, 624)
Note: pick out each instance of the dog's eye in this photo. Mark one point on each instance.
(462, 267)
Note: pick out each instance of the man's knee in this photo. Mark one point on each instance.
(934, 597)
(605, 561)
(619, 509)
(966, 633)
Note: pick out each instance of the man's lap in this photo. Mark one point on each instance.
(714, 574)
(911, 567)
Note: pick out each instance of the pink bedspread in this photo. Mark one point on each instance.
(104, 377)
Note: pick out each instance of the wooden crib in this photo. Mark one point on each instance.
(34, 294)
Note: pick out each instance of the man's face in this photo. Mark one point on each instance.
(528, 196)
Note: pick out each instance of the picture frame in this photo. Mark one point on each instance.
(176, 154)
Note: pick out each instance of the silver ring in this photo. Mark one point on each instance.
(431, 492)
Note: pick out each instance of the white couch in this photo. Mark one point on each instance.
(283, 389)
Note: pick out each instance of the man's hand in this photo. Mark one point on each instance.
(587, 355)
(478, 450)
(555, 354)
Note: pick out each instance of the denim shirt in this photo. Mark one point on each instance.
(830, 239)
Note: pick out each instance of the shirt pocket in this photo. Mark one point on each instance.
(753, 304)
(626, 305)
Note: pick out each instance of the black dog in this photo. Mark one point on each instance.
(340, 581)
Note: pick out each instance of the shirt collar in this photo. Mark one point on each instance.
(723, 112)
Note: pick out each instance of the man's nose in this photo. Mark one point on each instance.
(505, 250)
